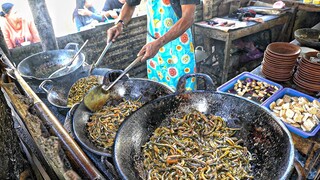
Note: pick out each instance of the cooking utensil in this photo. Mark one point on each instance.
(58, 95)
(140, 89)
(41, 65)
(262, 133)
(66, 69)
(99, 95)
(58, 92)
(101, 56)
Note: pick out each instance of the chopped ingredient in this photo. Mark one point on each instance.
(253, 89)
(297, 111)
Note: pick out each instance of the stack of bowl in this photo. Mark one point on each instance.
(279, 61)
(307, 75)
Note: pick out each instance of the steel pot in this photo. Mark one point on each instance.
(261, 131)
(41, 65)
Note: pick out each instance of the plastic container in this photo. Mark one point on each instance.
(230, 84)
(292, 92)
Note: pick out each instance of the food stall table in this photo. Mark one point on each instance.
(230, 35)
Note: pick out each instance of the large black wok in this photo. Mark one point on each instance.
(262, 133)
(41, 65)
(130, 88)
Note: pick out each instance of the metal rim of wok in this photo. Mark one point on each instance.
(54, 59)
(133, 88)
(139, 126)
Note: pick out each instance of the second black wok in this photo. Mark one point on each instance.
(130, 89)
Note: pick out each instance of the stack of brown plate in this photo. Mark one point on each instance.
(307, 75)
(279, 61)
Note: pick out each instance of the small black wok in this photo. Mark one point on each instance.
(262, 133)
(132, 88)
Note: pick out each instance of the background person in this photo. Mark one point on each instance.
(85, 15)
(169, 50)
(16, 30)
(112, 8)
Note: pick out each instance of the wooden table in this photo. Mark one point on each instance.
(231, 35)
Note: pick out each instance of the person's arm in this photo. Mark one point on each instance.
(110, 14)
(34, 32)
(151, 49)
(98, 17)
(125, 15)
(6, 35)
(93, 14)
(78, 23)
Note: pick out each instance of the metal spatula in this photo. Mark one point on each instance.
(99, 95)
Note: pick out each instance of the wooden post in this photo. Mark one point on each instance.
(44, 24)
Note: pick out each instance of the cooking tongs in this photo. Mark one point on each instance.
(99, 95)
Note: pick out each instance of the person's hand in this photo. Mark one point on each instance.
(84, 12)
(113, 14)
(110, 13)
(149, 50)
(114, 32)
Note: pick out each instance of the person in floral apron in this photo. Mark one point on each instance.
(169, 51)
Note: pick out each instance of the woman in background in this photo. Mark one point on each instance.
(85, 15)
(16, 30)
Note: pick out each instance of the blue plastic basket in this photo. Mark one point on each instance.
(230, 84)
(292, 93)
